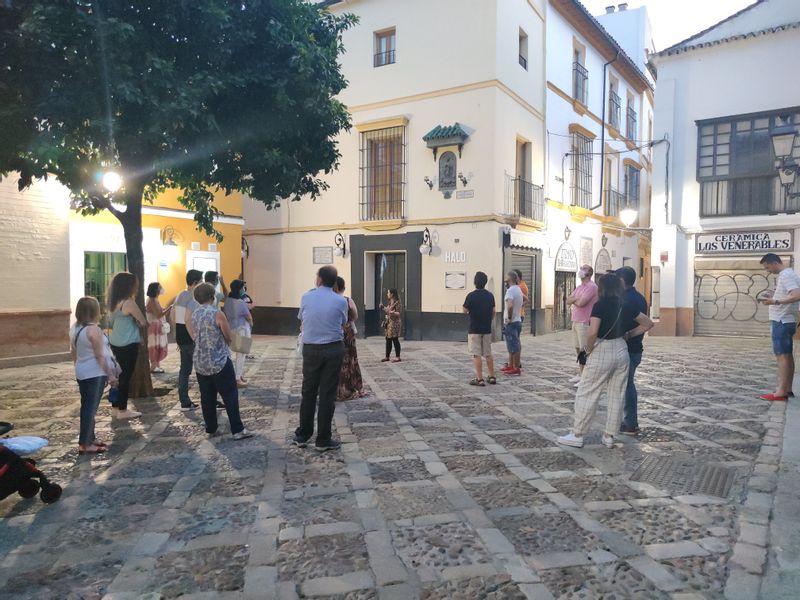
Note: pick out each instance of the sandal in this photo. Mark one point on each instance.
(91, 449)
(492, 380)
(479, 382)
(396, 359)
(385, 359)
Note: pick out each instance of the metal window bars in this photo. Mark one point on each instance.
(580, 82)
(614, 109)
(581, 170)
(631, 124)
(524, 199)
(523, 62)
(384, 58)
(615, 201)
(382, 166)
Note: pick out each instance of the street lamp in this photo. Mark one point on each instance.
(112, 181)
(784, 137)
(628, 216)
(426, 247)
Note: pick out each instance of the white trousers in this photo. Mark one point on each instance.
(606, 371)
(239, 357)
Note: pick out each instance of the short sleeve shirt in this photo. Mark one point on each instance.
(236, 311)
(614, 317)
(514, 294)
(480, 304)
(787, 282)
(585, 291)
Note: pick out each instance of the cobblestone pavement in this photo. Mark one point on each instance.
(441, 490)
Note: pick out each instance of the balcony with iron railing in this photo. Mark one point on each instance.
(384, 58)
(630, 124)
(614, 109)
(524, 199)
(615, 201)
(523, 62)
(580, 82)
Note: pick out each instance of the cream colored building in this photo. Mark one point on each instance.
(442, 175)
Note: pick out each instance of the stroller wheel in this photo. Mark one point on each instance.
(50, 493)
(28, 488)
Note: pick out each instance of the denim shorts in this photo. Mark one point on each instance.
(782, 334)
(512, 332)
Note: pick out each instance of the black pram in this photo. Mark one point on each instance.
(20, 475)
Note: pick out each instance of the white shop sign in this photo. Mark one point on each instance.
(566, 258)
(455, 257)
(744, 242)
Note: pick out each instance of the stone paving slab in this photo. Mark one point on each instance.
(441, 490)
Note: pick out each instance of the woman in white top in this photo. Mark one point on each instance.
(241, 322)
(94, 367)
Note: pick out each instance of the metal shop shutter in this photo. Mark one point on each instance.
(727, 294)
(527, 264)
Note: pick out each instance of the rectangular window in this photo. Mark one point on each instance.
(614, 105)
(736, 167)
(98, 269)
(385, 46)
(523, 49)
(632, 187)
(382, 165)
(581, 170)
(631, 119)
(580, 76)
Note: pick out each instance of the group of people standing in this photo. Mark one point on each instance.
(203, 332)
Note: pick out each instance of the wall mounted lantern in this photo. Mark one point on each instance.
(567, 232)
(429, 182)
(784, 138)
(463, 179)
(245, 249)
(341, 245)
(427, 243)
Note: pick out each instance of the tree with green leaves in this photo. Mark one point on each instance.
(198, 95)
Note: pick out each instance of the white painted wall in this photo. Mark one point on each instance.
(34, 246)
(632, 30)
(699, 85)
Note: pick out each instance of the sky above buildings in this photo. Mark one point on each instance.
(676, 20)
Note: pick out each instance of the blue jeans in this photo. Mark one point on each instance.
(187, 361)
(224, 384)
(512, 332)
(630, 417)
(91, 393)
(782, 334)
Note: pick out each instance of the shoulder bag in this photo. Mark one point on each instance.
(241, 343)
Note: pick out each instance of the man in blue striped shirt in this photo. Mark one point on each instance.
(323, 314)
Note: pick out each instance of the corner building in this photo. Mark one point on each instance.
(443, 173)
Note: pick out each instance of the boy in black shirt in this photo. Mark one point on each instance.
(480, 306)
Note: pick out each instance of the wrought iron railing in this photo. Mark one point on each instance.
(580, 82)
(614, 109)
(614, 202)
(524, 199)
(630, 124)
(384, 58)
(523, 62)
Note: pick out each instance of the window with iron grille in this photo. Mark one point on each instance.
(631, 121)
(385, 45)
(523, 49)
(736, 166)
(580, 82)
(632, 187)
(581, 170)
(614, 109)
(382, 166)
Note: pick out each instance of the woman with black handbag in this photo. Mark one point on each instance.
(607, 361)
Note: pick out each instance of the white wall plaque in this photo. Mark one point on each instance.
(455, 280)
(323, 255)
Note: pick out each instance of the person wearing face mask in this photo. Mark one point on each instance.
(582, 299)
(241, 322)
(157, 328)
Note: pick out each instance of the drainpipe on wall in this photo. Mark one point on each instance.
(603, 132)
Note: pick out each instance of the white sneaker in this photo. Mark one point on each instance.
(608, 441)
(127, 414)
(575, 379)
(242, 435)
(576, 441)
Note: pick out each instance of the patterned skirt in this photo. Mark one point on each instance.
(157, 343)
(350, 382)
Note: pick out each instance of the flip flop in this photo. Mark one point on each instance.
(92, 449)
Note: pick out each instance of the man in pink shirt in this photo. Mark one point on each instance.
(582, 300)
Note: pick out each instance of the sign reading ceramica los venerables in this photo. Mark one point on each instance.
(744, 242)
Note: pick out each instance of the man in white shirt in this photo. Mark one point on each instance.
(512, 322)
(783, 306)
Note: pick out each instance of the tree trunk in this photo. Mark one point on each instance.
(131, 219)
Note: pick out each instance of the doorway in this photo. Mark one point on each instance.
(564, 286)
(390, 273)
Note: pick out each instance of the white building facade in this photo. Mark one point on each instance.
(449, 169)
(721, 96)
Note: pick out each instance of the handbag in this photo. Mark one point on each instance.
(299, 349)
(241, 343)
(165, 327)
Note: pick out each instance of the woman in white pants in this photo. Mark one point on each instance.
(607, 362)
(241, 321)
